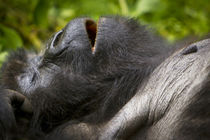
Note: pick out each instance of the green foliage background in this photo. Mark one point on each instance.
(28, 23)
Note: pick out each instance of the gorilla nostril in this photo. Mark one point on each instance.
(56, 39)
(190, 49)
(91, 28)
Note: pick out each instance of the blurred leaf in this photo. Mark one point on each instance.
(41, 13)
(124, 7)
(3, 55)
(9, 38)
(145, 6)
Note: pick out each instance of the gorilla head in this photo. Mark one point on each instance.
(87, 71)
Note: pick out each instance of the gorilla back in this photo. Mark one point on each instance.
(87, 80)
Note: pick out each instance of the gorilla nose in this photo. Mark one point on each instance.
(56, 39)
(79, 33)
(91, 29)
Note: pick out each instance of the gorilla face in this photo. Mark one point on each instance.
(88, 71)
(68, 51)
(83, 48)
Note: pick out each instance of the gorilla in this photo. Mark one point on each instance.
(104, 81)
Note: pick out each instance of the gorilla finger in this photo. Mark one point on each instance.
(20, 101)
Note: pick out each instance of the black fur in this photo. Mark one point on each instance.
(69, 83)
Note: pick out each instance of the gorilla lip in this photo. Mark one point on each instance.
(91, 28)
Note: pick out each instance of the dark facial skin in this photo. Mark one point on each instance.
(87, 72)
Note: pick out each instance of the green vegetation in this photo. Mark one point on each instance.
(29, 23)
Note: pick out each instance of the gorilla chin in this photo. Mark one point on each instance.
(107, 80)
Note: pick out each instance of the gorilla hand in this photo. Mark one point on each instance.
(15, 109)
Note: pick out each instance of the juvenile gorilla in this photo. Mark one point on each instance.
(87, 73)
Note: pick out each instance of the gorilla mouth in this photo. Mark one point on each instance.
(91, 28)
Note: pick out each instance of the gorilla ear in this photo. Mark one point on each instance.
(15, 64)
(18, 57)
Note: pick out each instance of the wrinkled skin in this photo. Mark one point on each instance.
(75, 88)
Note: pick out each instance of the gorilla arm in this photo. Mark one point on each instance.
(162, 107)
(156, 111)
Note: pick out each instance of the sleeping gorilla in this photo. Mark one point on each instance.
(89, 83)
